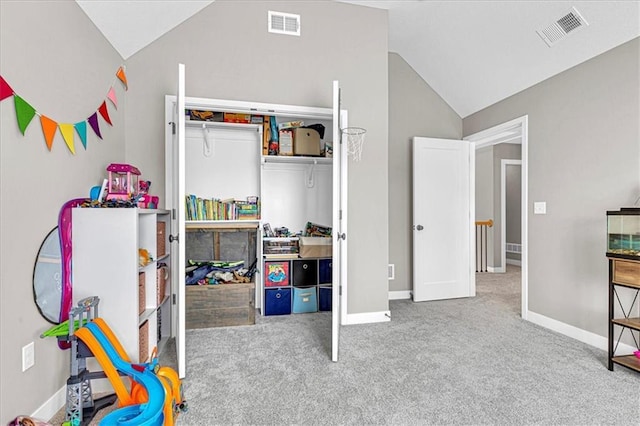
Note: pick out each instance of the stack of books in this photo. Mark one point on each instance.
(198, 208)
(247, 211)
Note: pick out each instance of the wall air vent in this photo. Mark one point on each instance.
(569, 23)
(284, 23)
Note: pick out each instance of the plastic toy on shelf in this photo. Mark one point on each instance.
(123, 181)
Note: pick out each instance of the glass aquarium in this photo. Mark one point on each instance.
(623, 231)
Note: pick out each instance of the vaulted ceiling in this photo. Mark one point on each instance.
(473, 53)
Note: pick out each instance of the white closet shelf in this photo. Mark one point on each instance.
(235, 224)
(223, 125)
(292, 159)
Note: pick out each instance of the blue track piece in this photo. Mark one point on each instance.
(147, 414)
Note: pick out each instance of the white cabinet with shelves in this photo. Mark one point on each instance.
(107, 264)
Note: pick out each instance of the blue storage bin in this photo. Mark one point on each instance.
(325, 271)
(277, 301)
(325, 298)
(305, 300)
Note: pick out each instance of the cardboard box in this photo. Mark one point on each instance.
(306, 142)
(286, 142)
(143, 342)
(204, 115)
(142, 294)
(230, 117)
(161, 238)
(162, 275)
(316, 247)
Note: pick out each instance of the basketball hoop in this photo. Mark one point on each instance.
(355, 140)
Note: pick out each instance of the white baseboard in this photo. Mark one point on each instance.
(515, 262)
(368, 318)
(496, 269)
(59, 399)
(579, 334)
(400, 295)
(52, 406)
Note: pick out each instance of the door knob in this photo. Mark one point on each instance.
(419, 227)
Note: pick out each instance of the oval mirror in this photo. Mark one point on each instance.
(47, 277)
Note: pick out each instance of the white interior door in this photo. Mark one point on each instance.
(175, 193)
(442, 220)
(339, 222)
(180, 208)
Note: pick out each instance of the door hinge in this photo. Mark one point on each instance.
(173, 127)
(340, 290)
(173, 238)
(340, 213)
(173, 299)
(173, 213)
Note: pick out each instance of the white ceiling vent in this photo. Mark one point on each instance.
(569, 23)
(284, 23)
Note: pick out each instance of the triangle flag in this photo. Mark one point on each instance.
(104, 112)
(112, 97)
(66, 130)
(24, 112)
(5, 89)
(123, 78)
(49, 128)
(93, 121)
(81, 128)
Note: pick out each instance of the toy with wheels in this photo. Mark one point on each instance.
(153, 395)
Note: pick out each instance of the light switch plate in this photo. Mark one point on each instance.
(540, 207)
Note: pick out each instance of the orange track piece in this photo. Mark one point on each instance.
(107, 366)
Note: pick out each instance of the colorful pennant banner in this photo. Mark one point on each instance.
(25, 114)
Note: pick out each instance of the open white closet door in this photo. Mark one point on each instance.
(180, 208)
(175, 193)
(339, 260)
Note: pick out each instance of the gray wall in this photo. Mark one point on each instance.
(488, 194)
(484, 195)
(513, 201)
(57, 60)
(231, 58)
(584, 159)
(502, 151)
(414, 110)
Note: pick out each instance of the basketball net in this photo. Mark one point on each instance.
(355, 140)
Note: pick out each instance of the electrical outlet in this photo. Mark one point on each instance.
(392, 271)
(28, 356)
